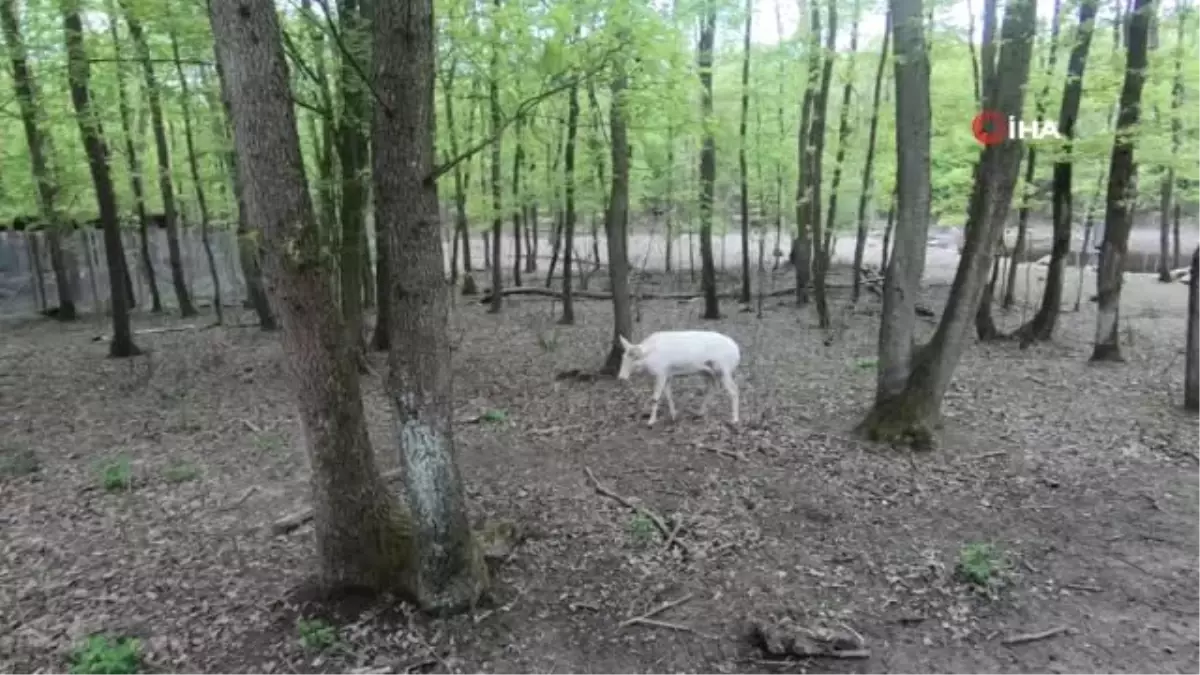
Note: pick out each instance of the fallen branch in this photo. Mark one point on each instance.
(293, 521)
(670, 626)
(151, 331)
(652, 516)
(1034, 637)
(1083, 587)
(719, 451)
(657, 610)
(674, 532)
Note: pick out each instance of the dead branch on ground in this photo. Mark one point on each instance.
(657, 610)
(1034, 637)
(652, 516)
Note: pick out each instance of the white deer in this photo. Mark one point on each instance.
(684, 352)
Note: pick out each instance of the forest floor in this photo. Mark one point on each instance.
(1082, 478)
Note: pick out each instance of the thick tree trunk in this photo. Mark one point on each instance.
(1041, 327)
(451, 573)
(708, 162)
(616, 222)
(363, 536)
(1122, 186)
(860, 240)
(165, 183)
(745, 185)
(985, 325)
(41, 157)
(197, 182)
(820, 112)
(913, 409)
(79, 75)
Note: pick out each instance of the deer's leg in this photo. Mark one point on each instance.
(710, 386)
(732, 389)
(660, 383)
(670, 401)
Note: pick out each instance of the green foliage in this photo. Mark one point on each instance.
(100, 655)
(18, 461)
(116, 474)
(641, 529)
(494, 416)
(317, 634)
(980, 564)
(181, 473)
(866, 364)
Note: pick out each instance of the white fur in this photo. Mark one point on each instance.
(684, 352)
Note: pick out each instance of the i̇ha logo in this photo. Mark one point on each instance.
(992, 127)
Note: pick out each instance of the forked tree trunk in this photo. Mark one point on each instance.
(79, 76)
(41, 153)
(1041, 327)
(451, 573)
(616, 221)
(135, 167)
(568, 245)
(744, 171)
(860, 240)
(914, 382)
(165, 183)
(364, 537)
(708, 161)
(197, 182)
(820, 112)
(1122, 187)
(801, 255)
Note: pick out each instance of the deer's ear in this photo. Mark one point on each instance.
(625, 344)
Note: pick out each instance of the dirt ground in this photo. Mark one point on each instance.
(1082, 477)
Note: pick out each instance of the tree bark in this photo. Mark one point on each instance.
(985, 325)
(708, 161)
(1122, 187)
(1168, 254)
(745, 187)
(41, 156)
(860, 240)
(364, 537)
(616, 220)
(1041, 327)
(518, 203)
(801, 256)
(886, 247)
(568, 246)
(909, 409)
(352, 152)
(1191, 383)
(79, 76)
(451, 573)
(820, 112)
(166, 187)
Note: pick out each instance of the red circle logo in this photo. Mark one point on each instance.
(990, 127)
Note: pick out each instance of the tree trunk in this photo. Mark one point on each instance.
(249, 241)
(165, 184)
(41, 157)
(708, 162)
(802, 246)
(909, 408)
(1191, 378)
(79, 76)
(194, 166)
(568, 246)
(985, 325)
(886, 249)
(616, 221)
(517, 205)
(745, 186)
(1168, 251)
(135, 169)
(1122, 186)
(364, 537)
(820, 112)
(860, 240)
(451, 573)
(352, 153)
(497, 198)
(1041, 327)
(779, 163)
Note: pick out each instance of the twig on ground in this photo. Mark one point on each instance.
(986, 455)
(244, 496)
(252, 426)
(674, 531)
(720, 451)
(670, 626)
(654, 517)
(1083, 587)
(657, 610)
(1034, 637)
(294, 521)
